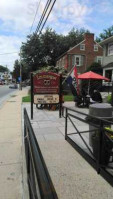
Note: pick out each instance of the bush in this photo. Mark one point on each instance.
(95, 67)
(109, 98)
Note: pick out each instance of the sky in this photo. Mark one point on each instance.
(16, 18)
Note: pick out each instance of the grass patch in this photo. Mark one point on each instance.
(26, 99)
(67, 98)
(109, 98)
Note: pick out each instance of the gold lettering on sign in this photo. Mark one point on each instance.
(45, 77)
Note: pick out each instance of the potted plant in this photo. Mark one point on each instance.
(107, 145)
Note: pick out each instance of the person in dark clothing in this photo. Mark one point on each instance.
(96, 96)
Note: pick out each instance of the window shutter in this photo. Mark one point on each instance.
(82, 60)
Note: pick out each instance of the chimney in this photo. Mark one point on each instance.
(89, 36)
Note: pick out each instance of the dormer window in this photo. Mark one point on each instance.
(96, 47)
(82, 46)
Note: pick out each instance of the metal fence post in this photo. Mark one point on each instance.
(66, 118)
(112, 95)
(27, 155)
(100, 147)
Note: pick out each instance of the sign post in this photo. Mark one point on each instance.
(32, 96)
(46, 88)
(60, 97)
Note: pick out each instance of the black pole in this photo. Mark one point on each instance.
(99, 157)
(32, 96)
(60, 97)
(112, 95)
(66, 124)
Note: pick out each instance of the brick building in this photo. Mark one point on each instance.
(83, 54)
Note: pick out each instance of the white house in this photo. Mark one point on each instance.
(107, 61)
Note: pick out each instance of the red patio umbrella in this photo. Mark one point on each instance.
(91, 75)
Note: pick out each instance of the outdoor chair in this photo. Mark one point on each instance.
(82, 101)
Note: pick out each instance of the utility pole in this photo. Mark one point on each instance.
(20, 87)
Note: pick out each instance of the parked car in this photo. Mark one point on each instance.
(13, 86)
(1, 83)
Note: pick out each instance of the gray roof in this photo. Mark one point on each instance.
(108, 65)
(108, 40)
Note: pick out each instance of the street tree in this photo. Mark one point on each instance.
(3, 69)
(16, 71)
(42, 50)
(106, 34)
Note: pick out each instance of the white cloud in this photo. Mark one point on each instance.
(72, 10)
(68, 14)
(9, 44)
(16, 17)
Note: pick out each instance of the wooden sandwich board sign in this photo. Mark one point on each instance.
(46, 88)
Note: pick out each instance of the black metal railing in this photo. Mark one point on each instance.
(39, 181)
(102, 160)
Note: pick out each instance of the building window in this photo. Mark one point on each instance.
(95, 47)
(99, 60)
(82, 46)
(110, 49)
(78, 60)
(108, 74)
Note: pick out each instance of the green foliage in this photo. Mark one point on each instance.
(26, 99)
(43, 50)
(3, 69)
(109, 98)
(53, 69)
(66, 98)
(106, 34)
(16, 71)
(95, 67)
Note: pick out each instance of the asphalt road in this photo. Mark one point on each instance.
(5, 92)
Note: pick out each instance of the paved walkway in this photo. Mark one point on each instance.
(11, 186)
(72, 176)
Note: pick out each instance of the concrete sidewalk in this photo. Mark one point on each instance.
(72, 176)
(11, 148)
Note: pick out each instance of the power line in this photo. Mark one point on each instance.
(35, 15)
(47, 16)
(41, 21)
(43, 14)
(41, 24)
(9, 53)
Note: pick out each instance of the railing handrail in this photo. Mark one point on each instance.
(46, 187)
(96, 160)
(91, 116)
